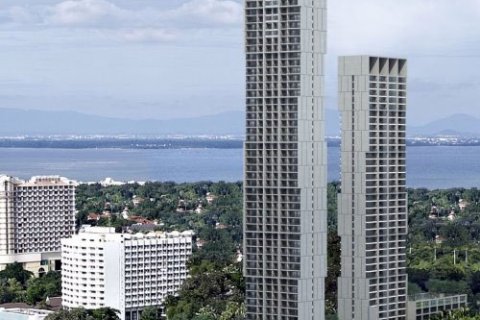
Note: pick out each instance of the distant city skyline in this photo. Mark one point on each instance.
(184, 58)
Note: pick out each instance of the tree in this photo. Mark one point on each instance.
(75, 314)
(38, 289)
(333, 271)
(462, 314)
(149, 313)
(206, 313)
(456, 234)
(448, 286)
(234, 311)
(210, 293)
(83, 314)
(474, 282)
(16, 290)
(15, 271)
(414, 288)
(105, 314)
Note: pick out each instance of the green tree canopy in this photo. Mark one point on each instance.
(83, 314)
(15, 271)
(149, 313)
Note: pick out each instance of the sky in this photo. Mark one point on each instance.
(182, 58)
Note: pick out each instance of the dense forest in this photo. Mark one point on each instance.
(443, 251)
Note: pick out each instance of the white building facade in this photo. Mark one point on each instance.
(372, 206)
(127, 272)
(285, 217)
(425, 305)
(34, 216)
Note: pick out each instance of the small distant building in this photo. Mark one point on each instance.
(452, 216)
(220, 226)
(199, 209)
(433, 213)
(462, 204)
(423, 306)
(181, 206)
(439, 239)
(200, 243)
(110, 182)
(106, 214)
(210, 197)
(140, 183)
(125, 213)
(92, 216)
(141, 220)
(137, 201)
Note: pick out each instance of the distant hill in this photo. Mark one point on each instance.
(37, 122)
(456, 125)
(460, 125)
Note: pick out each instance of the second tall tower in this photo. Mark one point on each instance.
(372, 219)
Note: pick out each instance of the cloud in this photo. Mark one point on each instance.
(21, 15)
(109, 13)
(148, 35)
(118, 20)
(84, 12)
(409, 26)
(209, 12)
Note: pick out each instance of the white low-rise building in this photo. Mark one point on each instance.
(425, 305)
(34, 216)
(127, 272)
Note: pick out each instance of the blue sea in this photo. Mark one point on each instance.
(430, 167)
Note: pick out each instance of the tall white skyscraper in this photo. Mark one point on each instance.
(372, 209)
(285, 219)
(34, 216)
(127, 272)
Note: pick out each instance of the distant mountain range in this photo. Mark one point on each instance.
(462, 125)
(36, 122)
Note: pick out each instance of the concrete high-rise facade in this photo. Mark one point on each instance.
(285, 179)
(127, 272)
(372, 206)
(34, 216)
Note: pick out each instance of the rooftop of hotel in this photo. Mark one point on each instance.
(39, 181)
(110, 232)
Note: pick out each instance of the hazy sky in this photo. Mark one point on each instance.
(178, 58)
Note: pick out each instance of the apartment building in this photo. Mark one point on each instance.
(34, 216)
(127, 272)
(372, 206)
(285, 220)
